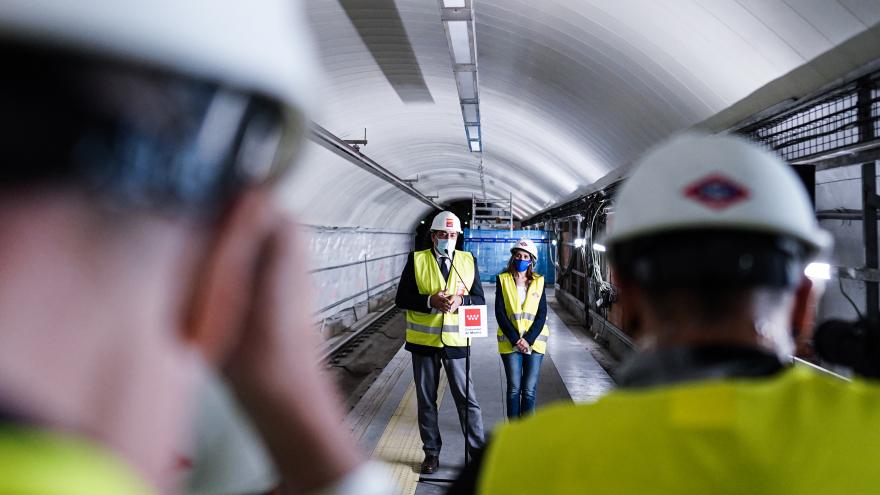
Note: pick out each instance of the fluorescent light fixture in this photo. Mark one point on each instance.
(423, 222)
(818, 271)
(469, 110)
(457, 18)
(598, 247)
(467, 85)
(553, 242)
(579, 243)
(460, 40)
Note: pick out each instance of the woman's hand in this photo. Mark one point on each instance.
(522, 346)
(454, 303)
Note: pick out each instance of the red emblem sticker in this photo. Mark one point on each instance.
(472, 317)
(716, 192)
(449, 223)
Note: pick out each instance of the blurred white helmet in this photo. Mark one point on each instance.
(446, 221)
(526, 245)
(259, 46)
(696, 181)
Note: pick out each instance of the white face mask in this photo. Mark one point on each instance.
(446, 245)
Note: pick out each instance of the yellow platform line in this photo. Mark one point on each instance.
(400, 445)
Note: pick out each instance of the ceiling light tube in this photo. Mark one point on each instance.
(453, 4)
(460, 41)
(473, 132)
(467, 85)
(475, 146)
(471, 113)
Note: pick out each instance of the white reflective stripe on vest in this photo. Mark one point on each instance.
(432, 330)
(523, 316)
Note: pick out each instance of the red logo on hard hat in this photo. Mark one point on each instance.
(716, 192)
(449, 223)
(472, 317)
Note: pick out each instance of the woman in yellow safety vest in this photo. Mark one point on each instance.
(521, 312)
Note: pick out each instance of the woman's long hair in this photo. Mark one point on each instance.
(530, 273)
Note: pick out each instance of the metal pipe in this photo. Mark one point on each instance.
(328, 140)
(869, 198)
(367, 276)
(842, 214)
(349, 298)
(869, 229)
(358, 262)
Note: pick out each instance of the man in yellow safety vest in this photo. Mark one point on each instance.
(709, 241)
(434, 283)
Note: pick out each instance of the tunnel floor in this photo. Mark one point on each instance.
(383, 418)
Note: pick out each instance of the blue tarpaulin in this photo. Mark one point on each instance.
(492, 249)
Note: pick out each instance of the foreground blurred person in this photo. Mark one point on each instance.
(139, 243)
(709, 242)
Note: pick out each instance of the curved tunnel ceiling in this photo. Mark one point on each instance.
(569, 90)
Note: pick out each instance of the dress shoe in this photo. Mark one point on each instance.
(430, 464)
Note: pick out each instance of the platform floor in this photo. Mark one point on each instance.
(384, 420)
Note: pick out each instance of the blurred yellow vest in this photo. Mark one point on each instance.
(35, 462)
(796, 433)
(426, 328)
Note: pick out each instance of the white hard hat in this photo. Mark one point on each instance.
(446, 220)
(696, 181)
(259, 46)
(526, 245)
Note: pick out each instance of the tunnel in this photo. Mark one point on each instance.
(286, 246)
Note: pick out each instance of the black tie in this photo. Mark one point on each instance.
(443, 269)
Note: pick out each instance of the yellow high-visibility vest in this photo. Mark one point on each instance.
(35, 462)
(798, 433)
(522, 318)
(441, 329)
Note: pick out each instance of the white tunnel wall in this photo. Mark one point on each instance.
(569, 91)
(328, 190)
(348, 215)
(333, 247)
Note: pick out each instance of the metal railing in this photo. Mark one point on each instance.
(368, 289)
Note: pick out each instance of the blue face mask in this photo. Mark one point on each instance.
(523, 265)
(444, 245)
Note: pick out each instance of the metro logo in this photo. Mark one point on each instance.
(449, 223)
(472, 317)
(716, 192)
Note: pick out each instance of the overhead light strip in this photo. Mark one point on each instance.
(458, 23)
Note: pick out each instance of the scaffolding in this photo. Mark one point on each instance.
(492, 213)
